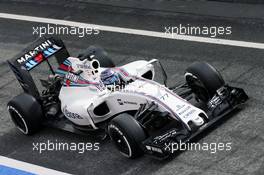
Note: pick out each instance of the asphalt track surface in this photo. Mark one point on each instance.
(242, 67)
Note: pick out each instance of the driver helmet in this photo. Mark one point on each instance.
(110, 77)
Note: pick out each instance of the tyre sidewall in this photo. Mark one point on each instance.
(12, 108)
(29, 110)
(134, 136)
(129, 141)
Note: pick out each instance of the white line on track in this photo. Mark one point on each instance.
(135, 31)
(28, 167)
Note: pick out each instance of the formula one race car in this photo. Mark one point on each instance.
(89, 93)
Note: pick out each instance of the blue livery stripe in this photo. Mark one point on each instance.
(51, 50)
(67, 62)
(59, 71)
(47, 53)
(30, 64)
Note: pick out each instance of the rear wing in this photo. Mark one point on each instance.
(39, 51)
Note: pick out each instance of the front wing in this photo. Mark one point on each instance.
(218, 109)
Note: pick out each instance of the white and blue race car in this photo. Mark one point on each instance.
(89, 93)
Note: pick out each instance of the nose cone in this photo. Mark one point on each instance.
(198, 121)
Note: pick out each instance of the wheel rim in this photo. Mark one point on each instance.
(198, 88)
(201, 91)
(18, 120)
(121, 142)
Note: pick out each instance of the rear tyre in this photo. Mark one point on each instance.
(127, 135)
(100, 54)
(204, 80)
(26, 113)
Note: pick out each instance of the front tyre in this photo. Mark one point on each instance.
(127, 135)
(204, 80)
(26, 113)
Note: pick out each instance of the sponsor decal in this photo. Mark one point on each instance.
(71, 114)
(38, 54)
(120, 102)
(115, 128)
(185, 110)
(165, 136)
(83, 66)
(189, 114)
(180, 106)
(72, 77)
